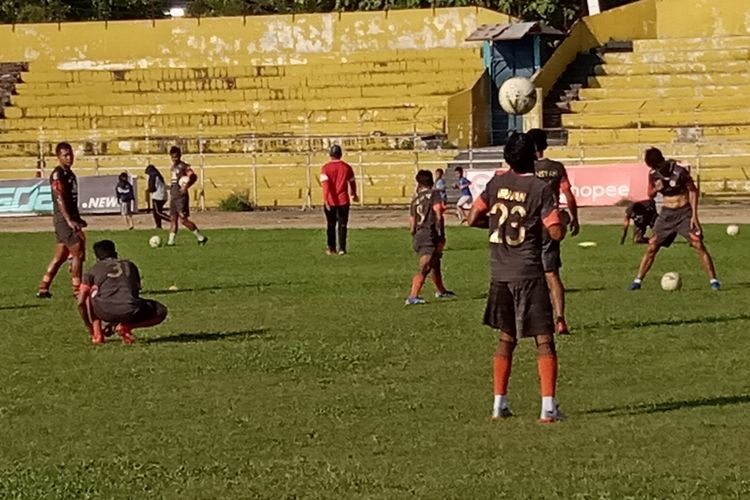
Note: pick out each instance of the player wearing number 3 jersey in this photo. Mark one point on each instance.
(518, 209)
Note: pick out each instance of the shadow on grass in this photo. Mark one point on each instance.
(667, 322)
(667, 406)
(583, 290)
(20, 306)
(212, 288)
(208, 336)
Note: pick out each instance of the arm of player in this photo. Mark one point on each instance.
(565, 187)
(84, 305)
(693, 200)
(654, 187)
(325, 184)
(478, 214)
(625, 226)
(193, 178)
(551, 215)
(353, 185)
(439, 208)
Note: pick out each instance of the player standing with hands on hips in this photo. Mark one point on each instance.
(182, 178)
(71, 241)
(679, 214)
(518, 209)
(337, 179)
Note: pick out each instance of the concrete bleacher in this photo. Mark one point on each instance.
(688, 96)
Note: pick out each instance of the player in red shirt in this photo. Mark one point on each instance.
(337, 179)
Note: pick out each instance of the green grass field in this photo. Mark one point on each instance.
(284, 373)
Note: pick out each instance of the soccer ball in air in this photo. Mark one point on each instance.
(733, 229)
(183, 181)
(517, 95)
(154, 242)
(671, 282)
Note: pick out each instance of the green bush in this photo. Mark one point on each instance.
(236, 202)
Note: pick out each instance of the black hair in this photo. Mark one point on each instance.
(124, 176)
(520, 153)
(336, 152)
(539, 137)
(654, 158)
(460, 170)
(63, 146)
(105, 249)
(424, 178)
(439, 170)
(174, 150)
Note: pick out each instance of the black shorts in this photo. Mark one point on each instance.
(671, 222)
(551, 260)
(67, 236)
(146, 310)
(429, 246)
(179, 204)
(520, 308)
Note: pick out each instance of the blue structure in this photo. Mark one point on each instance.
(518, 49)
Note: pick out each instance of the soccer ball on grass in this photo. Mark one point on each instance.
(733, 229)
(154, 242)
(671, 281)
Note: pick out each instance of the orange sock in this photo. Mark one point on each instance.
(501, 373)
(416, 285)
(547, 374)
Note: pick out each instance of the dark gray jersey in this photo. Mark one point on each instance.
(115, 285)
(423, 208)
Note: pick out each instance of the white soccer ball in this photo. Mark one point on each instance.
(733, 229)
(154, 242)
(517, 95)
(183, 181)
(671, 281)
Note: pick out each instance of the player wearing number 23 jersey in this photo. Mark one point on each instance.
(518, 208)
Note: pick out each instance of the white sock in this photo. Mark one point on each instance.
(714, 280)
(549, 405)
(637, 280)
(501, 402)
(198, 234)
(172, 237)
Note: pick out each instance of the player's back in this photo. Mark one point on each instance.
(115, 282)
(517, 204)
(422, 209)
(337, 173)
(550, 171)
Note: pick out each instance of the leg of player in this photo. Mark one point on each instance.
(78, 254)
(547, 365)
(173, 227)
(151, 314)
(343, 218)
(418, 280)
(60, 257)
(557, 294)
(202, 240)
(331, 219)
(437, 277)
(706, 261)
(501, 365)
(646, 263)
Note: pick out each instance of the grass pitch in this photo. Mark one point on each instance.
(284, 373)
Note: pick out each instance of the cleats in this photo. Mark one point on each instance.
(413, 301)
(635, 285)
(715, 285)
(342, 252)
(561, 327)
(125, 334)
(445, 295)
(551, 417)
(331, 251)
(203, 241)
(501, 414)
(43, 294)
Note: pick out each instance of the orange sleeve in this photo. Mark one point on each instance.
(480, 204)
(552, 219)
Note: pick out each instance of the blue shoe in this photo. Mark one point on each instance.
(444, 295)
(715, 285)
(413, 301)
(635, 286)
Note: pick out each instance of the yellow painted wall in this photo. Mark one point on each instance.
(702, 18)
(468, 114)
(237, 40)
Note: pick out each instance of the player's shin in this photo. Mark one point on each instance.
(547, 365)
(501, 367)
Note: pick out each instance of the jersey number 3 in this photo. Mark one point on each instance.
(515, 217)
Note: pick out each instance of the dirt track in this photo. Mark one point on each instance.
(360, 218)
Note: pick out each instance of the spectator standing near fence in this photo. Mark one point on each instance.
(157, 190)
(465, 199)
(337, 180)
(125, 196)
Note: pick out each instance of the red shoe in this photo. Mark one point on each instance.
(561, 327)
(97, 337)
(125, 334)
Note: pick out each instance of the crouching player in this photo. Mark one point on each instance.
(428, 229)
(110, 292)
(518, 208)
(643, 214)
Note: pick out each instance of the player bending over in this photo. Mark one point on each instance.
(643, 214)
(71, 240)
(679, 214)
(427, 226)
(111, 292)
(518, 208)
(179, 198)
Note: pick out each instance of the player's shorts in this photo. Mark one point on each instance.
(146, 310)
(429, 246)
(551, 260)
(67, 236)
(126, 208)
(179, 204)
(520, 308)
(464, 202)
(671, 222)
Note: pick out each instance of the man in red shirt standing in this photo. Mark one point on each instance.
(337, 178)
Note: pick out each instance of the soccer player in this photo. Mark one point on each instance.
(679, 214)
(518, 209)
(67, 221)
(643, 214)
(464, 201)
(337, 179)
(179, 198)
(428, 230)
(111, 293)
(158, 192)
(554, 173)
(126, 196)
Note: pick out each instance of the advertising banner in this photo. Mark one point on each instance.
(592, 185)
(96, 195)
